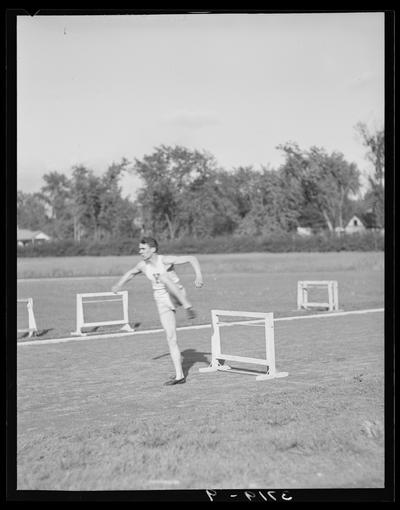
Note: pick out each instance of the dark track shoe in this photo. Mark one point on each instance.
(174, 381)
(190, 313)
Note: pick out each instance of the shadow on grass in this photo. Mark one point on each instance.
(189, 358)
(241, 370)
(108, 329)
(44, 331)
(41, 332)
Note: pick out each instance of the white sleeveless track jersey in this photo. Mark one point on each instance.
(153, 272)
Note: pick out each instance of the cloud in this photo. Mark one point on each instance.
(192, 119)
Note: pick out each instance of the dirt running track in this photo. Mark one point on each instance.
(70, 386)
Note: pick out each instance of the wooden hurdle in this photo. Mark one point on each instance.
(115, 296)
(32, 328)
(302, 295)
(265, 320)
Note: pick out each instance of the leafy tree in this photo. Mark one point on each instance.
(86, 190)
(98, 209)
(168, 175)
(242, 184)
(375, 144)
(110, 199)
(79, 189)
(31, 212)
(56, 193)
(323, 180)
(272, 206)
(375, 203)
(126, 226)
(310, 216)
(207, 206)
(375, 195)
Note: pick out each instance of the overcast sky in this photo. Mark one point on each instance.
(94, 89)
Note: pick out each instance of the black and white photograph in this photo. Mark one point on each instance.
(202, 301)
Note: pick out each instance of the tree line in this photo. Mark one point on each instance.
(184, 192)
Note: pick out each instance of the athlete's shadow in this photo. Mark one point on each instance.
(189, 358)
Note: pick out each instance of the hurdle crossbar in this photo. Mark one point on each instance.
(32, 328)
(80, 301)
(255, 322)
(267, 319)
(302, 294)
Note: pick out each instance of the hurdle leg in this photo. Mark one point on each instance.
(31, 318)
(126, 327)
(304, 295)
(215, 348)
(335, 296)
(270, 351)
(214, 365)
(299, 296)
(79, 317)
(32, 328)
(330, 296)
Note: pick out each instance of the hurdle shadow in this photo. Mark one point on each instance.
(40, 332)
(189, 358)
(105, 329)
(242, 370)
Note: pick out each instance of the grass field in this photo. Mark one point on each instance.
(254, 282)
(46, 267)
(94, 414)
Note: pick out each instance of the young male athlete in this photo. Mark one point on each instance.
(168, 292)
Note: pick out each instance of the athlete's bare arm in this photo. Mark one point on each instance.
(127, 276)
(186, 259)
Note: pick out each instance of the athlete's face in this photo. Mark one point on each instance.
(146, 251)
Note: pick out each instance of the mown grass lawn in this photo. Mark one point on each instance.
(56, 267)
(94, 414)
(253, 282)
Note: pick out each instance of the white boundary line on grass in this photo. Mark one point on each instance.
(332, 314)
(60, 278)
(182, 328)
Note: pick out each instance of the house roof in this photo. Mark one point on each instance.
(355, 217)
(367, 219)
(25, 235)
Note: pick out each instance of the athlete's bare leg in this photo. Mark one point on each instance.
(169, 324)
(176, 291)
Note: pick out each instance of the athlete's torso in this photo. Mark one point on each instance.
(154, 269)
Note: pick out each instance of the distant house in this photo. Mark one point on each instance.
(304, 231)
(354, 225)
(25, 237)
(357, 225)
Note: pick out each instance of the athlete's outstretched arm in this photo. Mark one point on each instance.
(126, 277)
(186, 259)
